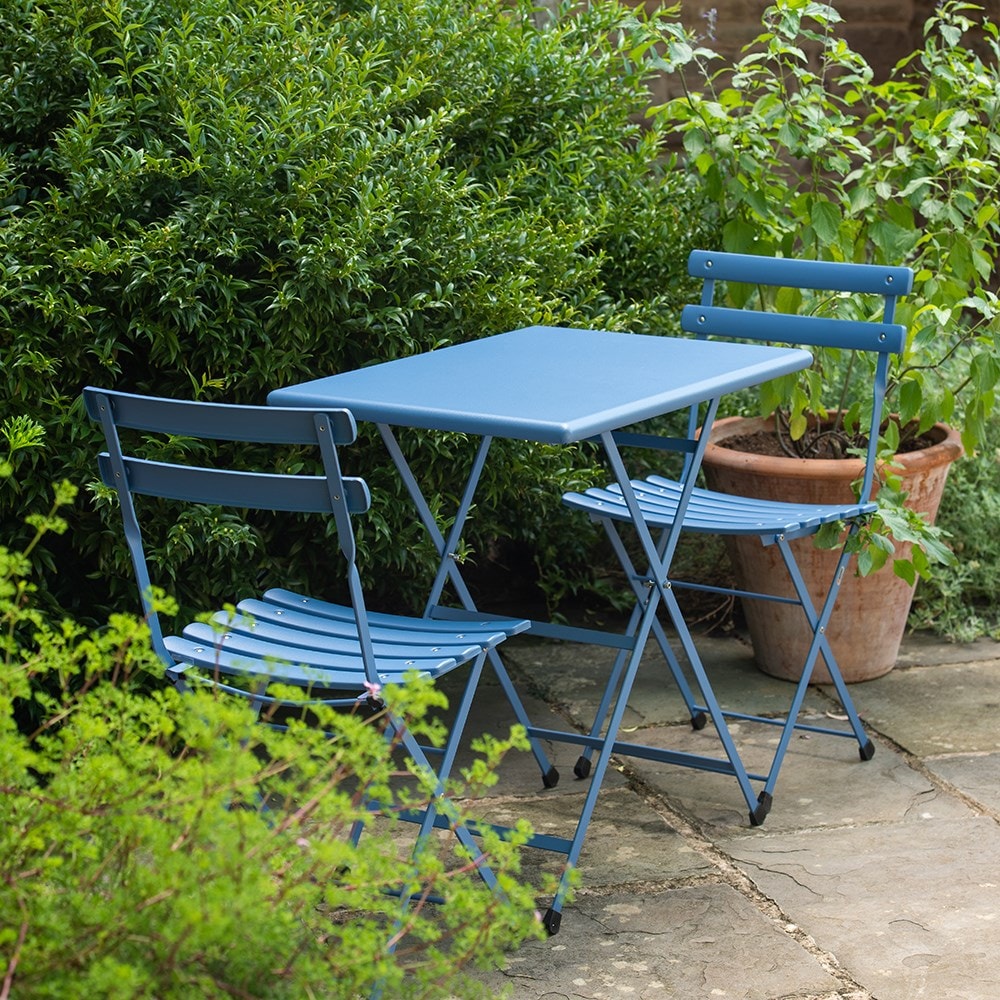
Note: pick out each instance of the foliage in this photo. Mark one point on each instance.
(962, 601)
(154, 844)
(808, 156)
(218, 197)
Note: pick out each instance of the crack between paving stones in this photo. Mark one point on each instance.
(732, 875)
(940, 785)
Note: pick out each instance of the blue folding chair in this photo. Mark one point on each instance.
(774, 523)
(337, 655)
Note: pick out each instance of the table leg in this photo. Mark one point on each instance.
(448, 571)
(658, 558)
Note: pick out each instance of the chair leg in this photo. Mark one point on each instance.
(440, 803)
(698, 717)
(639, 590)
(550, 775)
(553, 916)
(759, 804)
(820, 644)
(440, 811)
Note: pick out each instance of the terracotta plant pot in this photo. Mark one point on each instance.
(869, 618)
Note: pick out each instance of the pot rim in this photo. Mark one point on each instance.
(947, 449)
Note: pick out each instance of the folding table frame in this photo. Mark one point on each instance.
(557, 386)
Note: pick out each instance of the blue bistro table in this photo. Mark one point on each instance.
(557, 385)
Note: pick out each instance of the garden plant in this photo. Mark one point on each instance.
(214, 198)
(154, 844)
(806, 154)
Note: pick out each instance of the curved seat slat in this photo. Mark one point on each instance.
(290, 634)
(485, 633)
(713, 513)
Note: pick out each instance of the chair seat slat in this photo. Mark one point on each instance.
(485, 632)
(713, 513)
(289, 634)
(246, 663)
(314, 657)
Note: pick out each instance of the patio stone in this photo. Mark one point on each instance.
(974, 775)
(911, 911)
(624, 835)
(573, 676)
(936, 709)
(822, 782)
(699, 941)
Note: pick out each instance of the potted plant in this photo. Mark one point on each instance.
(806, 155)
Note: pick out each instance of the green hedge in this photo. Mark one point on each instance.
(218, 197)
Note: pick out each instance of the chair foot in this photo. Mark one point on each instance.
(551, 778)
(698, 720)
(582, 767)
(551, 921)
(867, 751)
(764, 802)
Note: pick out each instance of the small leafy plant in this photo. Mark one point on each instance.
(154, 844)
(806, 155)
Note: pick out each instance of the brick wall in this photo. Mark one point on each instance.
(883, 31)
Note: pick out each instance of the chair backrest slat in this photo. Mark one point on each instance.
(229, 487)
(784, 328)
(824, 275)
(219, 421)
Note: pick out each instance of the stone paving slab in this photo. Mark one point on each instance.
(703, 941)
(943, 708)
(974, 775)
(921, 649)
(574, 676)
(627, 841)
(822, 782)
(911, 911)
